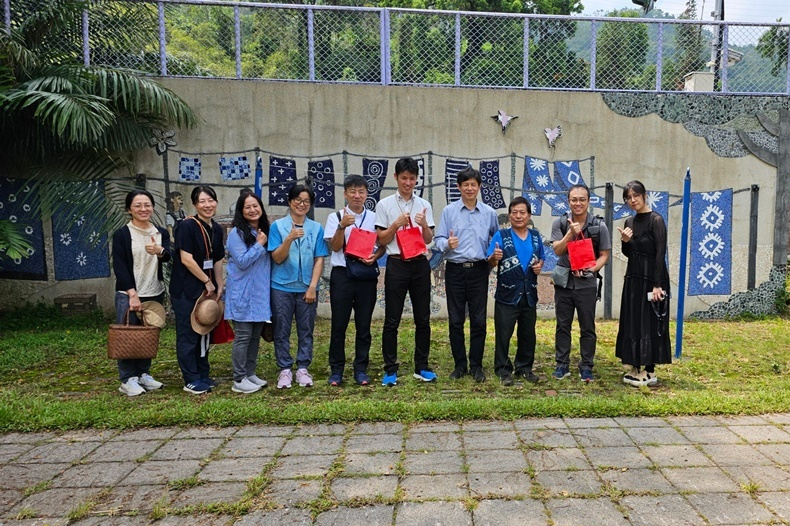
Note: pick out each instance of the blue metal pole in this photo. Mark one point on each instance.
(684, 241)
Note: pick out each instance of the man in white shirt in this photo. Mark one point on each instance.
(345, 292)
(405, 275)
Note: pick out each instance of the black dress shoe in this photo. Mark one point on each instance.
(458, 373)
(478, 374)
(528, 375)
(507, 380)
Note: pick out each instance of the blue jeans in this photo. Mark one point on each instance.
(130, 368)
(286, 306)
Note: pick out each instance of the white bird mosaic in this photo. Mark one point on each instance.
(504, 119)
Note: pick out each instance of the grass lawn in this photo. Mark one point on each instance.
(54, 374)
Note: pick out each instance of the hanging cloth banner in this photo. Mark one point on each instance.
(710, 269)
(539, 178)
(567, 174)
(323, 174)
(375, 173)
(79, 254)
(234, 168)
(189, 169)
(420, 186)
(451, 169)
(18, 205)
(259, 177)
(491, 191)
(282, 177)
(528, 187)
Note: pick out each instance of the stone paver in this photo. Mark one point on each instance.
(729, 471)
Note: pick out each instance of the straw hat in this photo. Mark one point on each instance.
(207, 313)
(154, 313)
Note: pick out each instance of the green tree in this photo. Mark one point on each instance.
(691, 46)
(773, 46)
(621, 51)
(61, 121)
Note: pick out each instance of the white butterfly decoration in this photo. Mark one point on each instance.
(504, 119)
(553, 135)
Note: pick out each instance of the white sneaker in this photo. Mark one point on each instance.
(148, 383)
(303, 378)
(245, 386)
(285, 379)
(652, 379)
(257, 381)
(131, 387)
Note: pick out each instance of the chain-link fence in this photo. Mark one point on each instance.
(209, 38)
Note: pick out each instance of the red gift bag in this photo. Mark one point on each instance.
(360, 243)
(581, 253)
(222, 333)
(410, 242)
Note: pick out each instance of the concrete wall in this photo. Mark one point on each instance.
(314, 120)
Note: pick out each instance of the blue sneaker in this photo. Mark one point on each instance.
(586, 375)
(561, 372)
(390, 380)
(335, 379)
(361, 378)
(197, 387)
(210, 382)
(426, 375)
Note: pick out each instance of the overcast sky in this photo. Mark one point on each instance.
(734, 10)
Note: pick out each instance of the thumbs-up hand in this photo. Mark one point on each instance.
(152, 248)
(261, 238)
(574, 228)
(348, 219)
(452, 241)
(420, 218)
(496, 255)
(625, 234)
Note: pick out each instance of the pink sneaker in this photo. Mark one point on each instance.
(303, 378)
(285, 379)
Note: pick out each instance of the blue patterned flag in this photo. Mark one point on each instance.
(323, 173)
(79, 253)
(420, 186)
(710, 270)
(534, 169)
(537, 170)
(567, 174)
(234, 168)
(282, 177)
(189, 169)
(451, 169)
(375, 173)
(259, 177)
(491, 191)
(18, 205)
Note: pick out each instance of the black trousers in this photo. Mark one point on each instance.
(345, 295)
(505, 319)
(467, 287)
(582, 302)
(402, 277)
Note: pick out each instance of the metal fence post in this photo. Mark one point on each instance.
(237, 34)
(725, 54)
(659, 55)
(311, 43)
(385, 47)
(86, 44)
(607, 269)
(753, 213)
(7, 15)
(162, 41)
(593, 52)
(526, 52)
(788, 63)
(458, 49)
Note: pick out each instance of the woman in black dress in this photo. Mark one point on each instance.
(643, 336)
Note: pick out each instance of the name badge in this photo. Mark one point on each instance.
(208, 264)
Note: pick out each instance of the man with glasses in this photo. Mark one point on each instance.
(577, 291)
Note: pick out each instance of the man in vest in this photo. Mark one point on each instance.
(577, 291)
(464, 231)
(517, 252)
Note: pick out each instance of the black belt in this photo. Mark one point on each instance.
(398, 256)
(469, 264)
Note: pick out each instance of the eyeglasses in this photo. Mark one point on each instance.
(577, 200)
(298, 201)
(631, 197)
(147, 206)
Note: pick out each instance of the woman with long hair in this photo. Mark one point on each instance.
(197, 267)
(139, 250)
(247, 289)
(643, 336)
(298, 250)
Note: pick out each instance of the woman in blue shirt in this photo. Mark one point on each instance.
(298, 250)
(247, 289)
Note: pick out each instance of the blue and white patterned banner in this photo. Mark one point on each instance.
(537, 170)
(420, 177)
(567, 174)
(451, 169)
(375, 173)
(18, 205)
(533, 169)
(259, 177)
(79, 253)
(189, 169)
(282, 177)
(323, 174)
(234, 168)
(710, 270)
(491, 191)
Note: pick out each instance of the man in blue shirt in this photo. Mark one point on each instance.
(465, 228)
(518, 254)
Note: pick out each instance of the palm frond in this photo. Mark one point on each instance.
(12, 243)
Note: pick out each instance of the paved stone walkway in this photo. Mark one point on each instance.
(573, 471)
